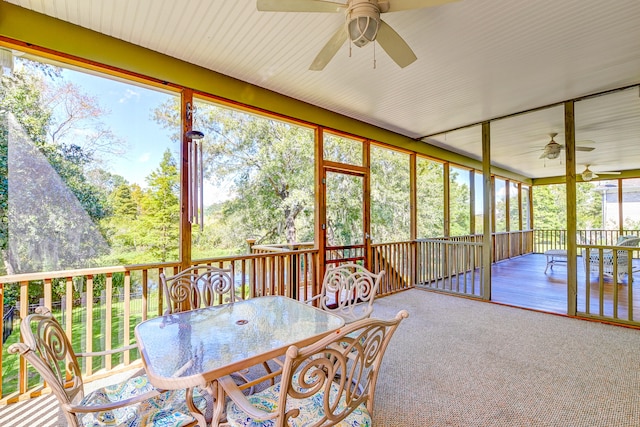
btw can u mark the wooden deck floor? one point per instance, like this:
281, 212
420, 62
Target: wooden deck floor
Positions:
522, 282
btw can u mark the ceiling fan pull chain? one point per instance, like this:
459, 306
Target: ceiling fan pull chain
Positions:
374, 55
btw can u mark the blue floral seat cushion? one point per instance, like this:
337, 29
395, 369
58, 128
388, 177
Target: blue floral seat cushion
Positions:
311, 410
169, 409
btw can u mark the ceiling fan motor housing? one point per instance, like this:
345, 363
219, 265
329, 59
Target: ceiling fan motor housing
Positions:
552, 150
363, 21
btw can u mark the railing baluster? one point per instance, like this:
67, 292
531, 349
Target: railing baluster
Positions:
127, 316
89, 331
24, 311
145, 294
108, 320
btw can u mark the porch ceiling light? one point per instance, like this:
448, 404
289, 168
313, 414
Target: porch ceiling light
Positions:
364, 22
553, 155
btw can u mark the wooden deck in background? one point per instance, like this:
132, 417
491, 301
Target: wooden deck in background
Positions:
522, 282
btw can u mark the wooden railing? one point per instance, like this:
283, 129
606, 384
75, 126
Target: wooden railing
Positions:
398, 261
611, 297
544, 240
130, 294
451, 265
512, 244
93, 324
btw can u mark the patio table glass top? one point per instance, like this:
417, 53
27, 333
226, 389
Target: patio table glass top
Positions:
194, 347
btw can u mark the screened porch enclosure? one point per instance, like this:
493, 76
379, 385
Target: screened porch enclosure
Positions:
277, 199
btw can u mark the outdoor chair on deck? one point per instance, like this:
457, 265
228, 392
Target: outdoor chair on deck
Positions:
132, 403
621, 259
195, 286
348, 290
203, 285
329, 382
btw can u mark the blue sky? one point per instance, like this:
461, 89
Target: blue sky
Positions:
130, 110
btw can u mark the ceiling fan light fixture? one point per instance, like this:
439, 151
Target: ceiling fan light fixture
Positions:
587, 175
363, 23
551, 152
363, 30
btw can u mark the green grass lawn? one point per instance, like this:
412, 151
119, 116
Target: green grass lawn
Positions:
10, 363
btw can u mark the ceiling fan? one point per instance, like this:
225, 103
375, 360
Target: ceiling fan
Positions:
552, 149
363, 24
588, 174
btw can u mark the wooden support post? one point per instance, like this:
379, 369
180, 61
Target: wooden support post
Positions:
488, 204
570, 166
185, 183
320, 208
447, 210
366, 196
413, 233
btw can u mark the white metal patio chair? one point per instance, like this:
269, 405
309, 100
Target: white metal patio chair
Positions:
621, 259
134, 402
348, 290
330, 382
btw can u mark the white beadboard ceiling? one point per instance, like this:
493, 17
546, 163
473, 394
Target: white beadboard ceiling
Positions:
477, 60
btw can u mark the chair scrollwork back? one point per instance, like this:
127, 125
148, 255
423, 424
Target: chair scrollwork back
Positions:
196, 286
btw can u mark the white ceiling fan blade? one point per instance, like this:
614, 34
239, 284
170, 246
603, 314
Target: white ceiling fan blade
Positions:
330, 49
609, 172
585, 148
299, 6
398, 5
394, 45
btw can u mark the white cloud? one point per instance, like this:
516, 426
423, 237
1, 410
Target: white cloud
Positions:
129, 94
144, 158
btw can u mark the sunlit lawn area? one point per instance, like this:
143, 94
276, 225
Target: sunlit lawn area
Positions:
10, 363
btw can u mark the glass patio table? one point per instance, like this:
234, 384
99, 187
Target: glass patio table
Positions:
194, 348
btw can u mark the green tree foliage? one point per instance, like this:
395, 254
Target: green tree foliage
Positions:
459, 202
345, 209
52, 213
514, 211
21, 95
51, 205
500, 205
588, 206
390, 195
550, 207
160, 210
266, 164
430, 198
120, 226
144, 224
344, 193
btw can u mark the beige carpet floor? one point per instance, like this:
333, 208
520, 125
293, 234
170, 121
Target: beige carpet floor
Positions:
459, 362
463, 363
